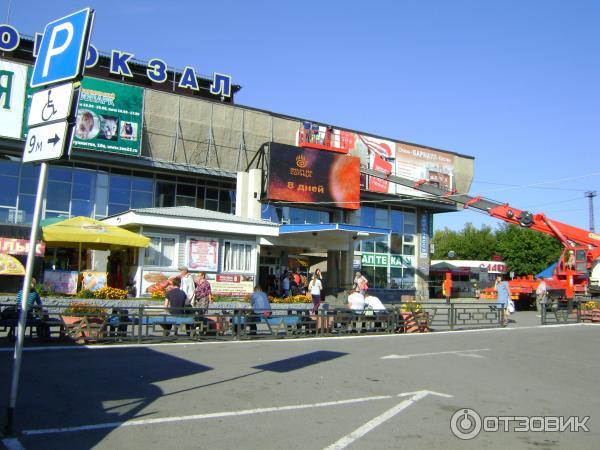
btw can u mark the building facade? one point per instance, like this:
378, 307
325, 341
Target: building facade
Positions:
141, 143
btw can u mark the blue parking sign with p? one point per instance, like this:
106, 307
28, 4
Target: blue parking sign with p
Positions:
62, 51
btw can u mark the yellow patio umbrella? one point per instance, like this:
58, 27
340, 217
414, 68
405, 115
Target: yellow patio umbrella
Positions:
84, 232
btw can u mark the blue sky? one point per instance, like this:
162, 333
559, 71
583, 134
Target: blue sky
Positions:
515, 84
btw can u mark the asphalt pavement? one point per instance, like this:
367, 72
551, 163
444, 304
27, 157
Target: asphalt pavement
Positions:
357, 392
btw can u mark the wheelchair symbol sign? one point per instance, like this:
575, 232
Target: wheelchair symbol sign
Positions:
50, 105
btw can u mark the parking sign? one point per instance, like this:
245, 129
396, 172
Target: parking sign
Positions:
62, 51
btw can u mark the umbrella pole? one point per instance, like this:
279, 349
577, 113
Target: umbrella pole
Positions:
79, 260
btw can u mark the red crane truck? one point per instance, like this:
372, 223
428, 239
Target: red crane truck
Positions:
577, 273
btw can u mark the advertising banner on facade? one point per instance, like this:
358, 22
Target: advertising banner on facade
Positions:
14, 246
13, 81
420, 163
92, 281
61, 281
203, 255
306, 175
232, 285
109, 117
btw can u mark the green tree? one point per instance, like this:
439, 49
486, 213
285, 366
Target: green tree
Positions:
469, 243
526, 251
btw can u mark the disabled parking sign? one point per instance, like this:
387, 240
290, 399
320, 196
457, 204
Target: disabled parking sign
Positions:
63, 49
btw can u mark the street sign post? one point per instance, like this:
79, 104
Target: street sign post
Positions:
63, 49
50, 105
61, 58
46, 142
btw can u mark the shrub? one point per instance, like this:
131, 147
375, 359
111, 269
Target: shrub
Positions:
85, 293
84, 309
592, 304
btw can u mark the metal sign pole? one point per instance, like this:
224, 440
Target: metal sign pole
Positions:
25, 294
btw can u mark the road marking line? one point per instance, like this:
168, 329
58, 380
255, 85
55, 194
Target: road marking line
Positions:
452, 352
373, 423
288, 341
159, 420
12, 444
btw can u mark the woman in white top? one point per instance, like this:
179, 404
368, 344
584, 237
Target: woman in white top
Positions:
315, 287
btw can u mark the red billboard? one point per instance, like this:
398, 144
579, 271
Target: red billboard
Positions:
306, 175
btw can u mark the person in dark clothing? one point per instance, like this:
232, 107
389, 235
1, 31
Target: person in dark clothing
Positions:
174, 303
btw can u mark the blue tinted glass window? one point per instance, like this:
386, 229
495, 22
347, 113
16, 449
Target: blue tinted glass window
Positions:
367, 216
270, 212
120, 182
313, 216
81, 208
324, 217
30, 171
60, 173
9, 168
82, 191
28, 186
58, 196
8, 191
119, 196
397, 220
84, 185
4, 214
139, 184
141, 200
296, 215
26, 203
116, 209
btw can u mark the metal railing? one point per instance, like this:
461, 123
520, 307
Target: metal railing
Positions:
152, 323
560, 313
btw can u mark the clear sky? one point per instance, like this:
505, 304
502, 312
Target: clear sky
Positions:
513, 83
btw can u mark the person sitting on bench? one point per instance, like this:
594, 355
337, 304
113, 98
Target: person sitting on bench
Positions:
174, 303
260, 307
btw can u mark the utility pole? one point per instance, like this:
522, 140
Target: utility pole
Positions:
591, 195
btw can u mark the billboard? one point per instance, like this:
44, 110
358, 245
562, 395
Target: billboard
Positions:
13, 80
306, 175
109, 117
420, 163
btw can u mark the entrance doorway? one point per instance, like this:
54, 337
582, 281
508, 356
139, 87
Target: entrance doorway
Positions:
268, 274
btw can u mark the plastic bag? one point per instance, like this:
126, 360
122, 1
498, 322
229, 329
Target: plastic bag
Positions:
511, 306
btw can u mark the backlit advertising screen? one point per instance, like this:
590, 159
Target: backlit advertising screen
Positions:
305, 175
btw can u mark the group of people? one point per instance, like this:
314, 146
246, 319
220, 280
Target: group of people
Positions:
188, 291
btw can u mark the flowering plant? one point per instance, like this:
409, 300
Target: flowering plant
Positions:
292, 299
111, 293
84, 309
411, 307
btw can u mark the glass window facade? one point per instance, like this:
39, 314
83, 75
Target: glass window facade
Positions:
100, 192
286, 214
388, 261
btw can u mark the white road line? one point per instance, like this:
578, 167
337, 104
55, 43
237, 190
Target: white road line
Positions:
289, 341
373, 423
12, 444
217, 415
451, 352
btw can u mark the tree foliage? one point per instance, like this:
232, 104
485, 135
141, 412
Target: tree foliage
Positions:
469, 243
524, 251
